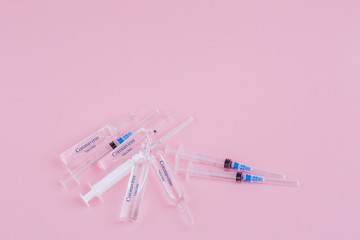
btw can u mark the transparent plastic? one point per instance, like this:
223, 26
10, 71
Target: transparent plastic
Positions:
103, 151
137, 181
93, 143
108, 181
123, 152
73, 174
118, 173
200, 171
180, 153
147, 119
172, 132
170, 184
124, 169
135, 191
128, 149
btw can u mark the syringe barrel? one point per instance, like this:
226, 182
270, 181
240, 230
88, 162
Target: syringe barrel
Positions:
124, 169
130, 146
109, 180
125, 151
201, 158
91, 160
172, 132
193, 170
88, 146
183, 154
147, 119
114, 177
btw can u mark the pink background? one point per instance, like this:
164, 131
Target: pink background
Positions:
275, 83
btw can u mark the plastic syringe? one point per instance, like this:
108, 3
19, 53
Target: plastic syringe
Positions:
73, 174
124, 169
87, 147
117, 156
198, 171
227, 163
